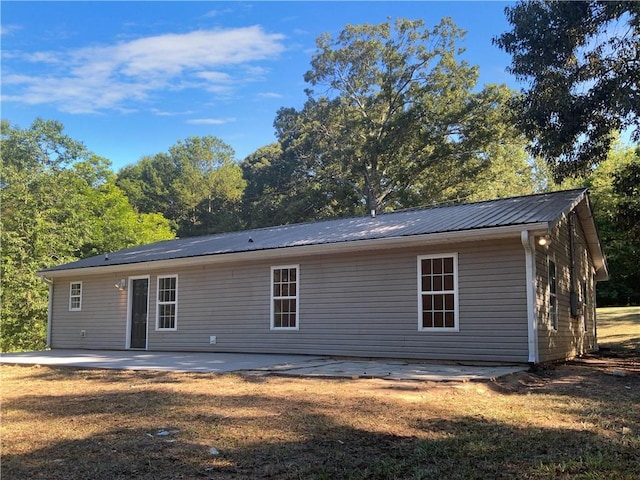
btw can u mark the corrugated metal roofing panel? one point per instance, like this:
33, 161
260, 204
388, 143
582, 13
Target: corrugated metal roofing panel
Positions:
540, 208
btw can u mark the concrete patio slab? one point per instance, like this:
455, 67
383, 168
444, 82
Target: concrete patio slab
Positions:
259, 364
161, 361
400, 371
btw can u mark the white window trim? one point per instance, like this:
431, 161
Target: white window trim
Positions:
584, 298
456, 313
71, 297
158, 303
550, 322
273, 298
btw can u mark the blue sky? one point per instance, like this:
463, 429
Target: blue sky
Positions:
130, 79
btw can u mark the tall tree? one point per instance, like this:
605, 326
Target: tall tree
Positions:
148, 185
392, 119
625, 249
198, 185
270, 187
615, 195
59, 204
281, 189
626, 184
581, 61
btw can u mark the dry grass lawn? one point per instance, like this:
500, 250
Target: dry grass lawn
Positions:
580, 420
619, 327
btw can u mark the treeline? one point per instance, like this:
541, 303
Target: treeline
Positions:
59, 203
272, 187
394, 118
614, 190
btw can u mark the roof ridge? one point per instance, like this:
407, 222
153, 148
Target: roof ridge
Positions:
502, 212
364, 216
453, 203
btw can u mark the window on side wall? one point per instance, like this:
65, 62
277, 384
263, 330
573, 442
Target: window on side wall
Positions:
553, 294
167, 305
438, 292
585, 304
285, 297
75, 296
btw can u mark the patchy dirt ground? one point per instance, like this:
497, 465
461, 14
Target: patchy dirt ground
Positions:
603, 370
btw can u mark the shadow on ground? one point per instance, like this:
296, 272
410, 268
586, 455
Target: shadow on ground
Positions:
294, 437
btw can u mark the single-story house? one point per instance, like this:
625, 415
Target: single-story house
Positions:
507, 280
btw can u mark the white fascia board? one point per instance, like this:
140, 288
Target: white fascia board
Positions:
512, 231
528, 242
585, 215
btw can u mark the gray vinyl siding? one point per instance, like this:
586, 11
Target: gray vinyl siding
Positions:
571, 338
103, 316
363, 305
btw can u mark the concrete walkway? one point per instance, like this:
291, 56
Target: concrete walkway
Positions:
258, 364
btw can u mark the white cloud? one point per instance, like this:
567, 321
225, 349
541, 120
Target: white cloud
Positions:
270, 95
217, 77
99, 78
43, 57
216, 13
210, 121
256, 73
164, 113
9, 29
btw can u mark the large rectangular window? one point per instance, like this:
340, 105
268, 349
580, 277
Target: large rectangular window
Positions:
75, 296
284, 297
167, 306
438, 292
553, 294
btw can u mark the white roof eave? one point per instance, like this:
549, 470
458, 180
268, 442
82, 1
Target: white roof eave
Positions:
511, 231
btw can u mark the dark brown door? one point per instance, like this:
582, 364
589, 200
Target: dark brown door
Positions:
139, 304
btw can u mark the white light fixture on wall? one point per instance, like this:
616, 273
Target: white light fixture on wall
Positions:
544, 241
122, 284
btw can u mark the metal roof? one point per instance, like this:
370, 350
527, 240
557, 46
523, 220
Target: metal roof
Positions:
524, 210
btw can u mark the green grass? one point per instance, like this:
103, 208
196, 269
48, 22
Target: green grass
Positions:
619, 327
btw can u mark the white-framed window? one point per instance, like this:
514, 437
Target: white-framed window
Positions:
585, 303
167, 303
75, 296
552, 287
438, 292
285, 282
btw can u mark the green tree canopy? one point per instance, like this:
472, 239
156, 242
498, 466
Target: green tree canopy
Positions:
198, 185
272, 194
615, 196
392, 119
59, 204
581, 63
